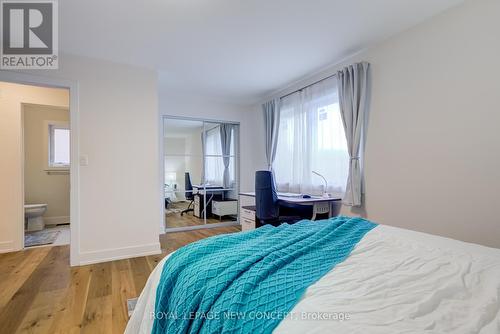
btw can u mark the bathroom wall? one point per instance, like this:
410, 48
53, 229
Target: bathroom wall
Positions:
40, 186
11, 193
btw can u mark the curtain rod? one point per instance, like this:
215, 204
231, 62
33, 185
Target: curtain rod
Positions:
311, 84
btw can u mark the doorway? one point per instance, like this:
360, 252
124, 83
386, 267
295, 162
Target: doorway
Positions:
46, 152
13, 211
201, 173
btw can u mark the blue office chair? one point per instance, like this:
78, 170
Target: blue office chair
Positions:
267, 204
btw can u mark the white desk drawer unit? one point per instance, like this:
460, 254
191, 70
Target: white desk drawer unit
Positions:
247, 213
224, 208
247, 218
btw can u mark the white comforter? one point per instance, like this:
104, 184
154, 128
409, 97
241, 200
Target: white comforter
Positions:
394, 281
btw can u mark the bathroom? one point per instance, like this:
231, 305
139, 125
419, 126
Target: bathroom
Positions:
44, 118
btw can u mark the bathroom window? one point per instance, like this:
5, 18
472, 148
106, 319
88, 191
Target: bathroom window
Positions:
59, 146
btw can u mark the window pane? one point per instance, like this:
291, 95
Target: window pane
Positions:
233, 141
311, 138
214, 171
61, 146
213, 141
213, 145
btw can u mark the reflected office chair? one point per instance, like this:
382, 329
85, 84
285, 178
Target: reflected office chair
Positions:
267, 204
188, 187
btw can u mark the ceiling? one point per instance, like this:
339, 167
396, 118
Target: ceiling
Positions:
238, 50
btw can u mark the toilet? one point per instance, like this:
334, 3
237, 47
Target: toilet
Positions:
33, 216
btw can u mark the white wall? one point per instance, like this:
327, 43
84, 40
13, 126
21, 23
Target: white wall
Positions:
176, 164
433, 147
119, 189
251, 126
194, 164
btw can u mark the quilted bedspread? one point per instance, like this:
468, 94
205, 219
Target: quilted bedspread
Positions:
248, 282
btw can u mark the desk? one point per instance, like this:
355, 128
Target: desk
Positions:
211, 190
320, 204
208, 188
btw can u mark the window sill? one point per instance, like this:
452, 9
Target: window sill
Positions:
57, 170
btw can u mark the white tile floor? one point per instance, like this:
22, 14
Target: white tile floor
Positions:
62, 239
64, 235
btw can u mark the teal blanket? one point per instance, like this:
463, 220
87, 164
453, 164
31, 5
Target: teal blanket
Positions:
248, 282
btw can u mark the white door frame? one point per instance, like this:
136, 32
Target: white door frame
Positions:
44, 81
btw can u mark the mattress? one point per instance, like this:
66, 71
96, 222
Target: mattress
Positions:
394, 281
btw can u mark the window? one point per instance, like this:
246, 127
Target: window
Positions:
59, 156
311, 138
214, 162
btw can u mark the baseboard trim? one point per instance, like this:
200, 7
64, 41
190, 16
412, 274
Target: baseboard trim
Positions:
7, 246
56, 220
113, 254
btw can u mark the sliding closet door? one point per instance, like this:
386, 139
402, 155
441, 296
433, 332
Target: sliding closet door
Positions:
183, 171
221, 171
201, 173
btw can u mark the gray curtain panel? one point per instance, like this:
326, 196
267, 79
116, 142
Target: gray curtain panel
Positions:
271, 121
225, 140
354, 90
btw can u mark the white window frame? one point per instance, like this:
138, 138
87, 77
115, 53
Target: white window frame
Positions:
51, 126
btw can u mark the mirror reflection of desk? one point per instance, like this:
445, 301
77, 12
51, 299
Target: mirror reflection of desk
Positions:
202, 202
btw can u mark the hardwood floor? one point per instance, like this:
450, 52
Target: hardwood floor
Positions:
41, 293
175, 219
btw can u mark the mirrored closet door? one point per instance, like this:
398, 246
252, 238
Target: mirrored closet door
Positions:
201, 173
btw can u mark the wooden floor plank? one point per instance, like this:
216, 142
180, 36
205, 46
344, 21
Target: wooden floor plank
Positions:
19, 272
121, 291
43, 312
49, 301
140, 272
98, 311
40, 293
16, 309
98, 315
70, 317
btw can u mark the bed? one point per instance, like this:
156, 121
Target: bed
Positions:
393, 281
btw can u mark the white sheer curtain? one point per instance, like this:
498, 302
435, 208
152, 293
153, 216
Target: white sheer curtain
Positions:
214, 163
311, 138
